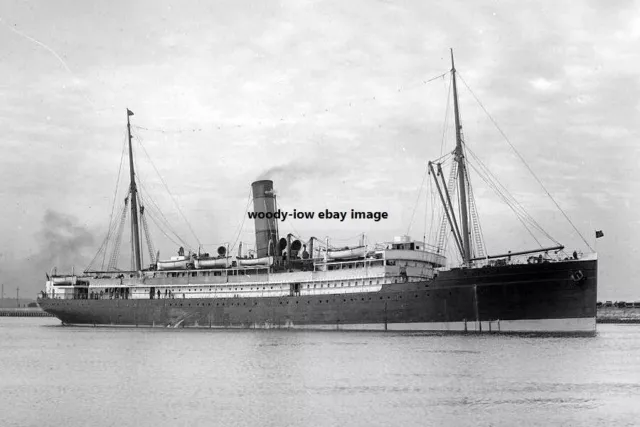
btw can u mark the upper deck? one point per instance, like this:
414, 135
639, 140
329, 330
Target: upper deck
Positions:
407, 261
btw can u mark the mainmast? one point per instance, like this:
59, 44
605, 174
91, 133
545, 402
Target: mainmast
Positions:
135, 234
459, 157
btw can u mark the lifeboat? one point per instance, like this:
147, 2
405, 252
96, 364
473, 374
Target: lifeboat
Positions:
63, 280
347, 253
224, 262
249, 262
175, 263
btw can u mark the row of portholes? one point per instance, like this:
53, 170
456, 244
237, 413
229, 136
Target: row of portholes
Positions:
297, 302
229, 288
287, 302
335, 285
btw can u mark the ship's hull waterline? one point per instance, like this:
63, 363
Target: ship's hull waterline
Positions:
525, 298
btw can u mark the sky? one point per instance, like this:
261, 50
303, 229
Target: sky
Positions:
333, 101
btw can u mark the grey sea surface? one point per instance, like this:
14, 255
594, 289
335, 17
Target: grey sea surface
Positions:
52, 375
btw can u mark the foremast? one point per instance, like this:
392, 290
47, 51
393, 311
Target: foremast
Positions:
133, 191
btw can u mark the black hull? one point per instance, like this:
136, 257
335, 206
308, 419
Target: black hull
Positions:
539, 298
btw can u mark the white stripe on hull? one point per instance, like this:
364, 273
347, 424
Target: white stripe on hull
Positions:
572, 325
529, 325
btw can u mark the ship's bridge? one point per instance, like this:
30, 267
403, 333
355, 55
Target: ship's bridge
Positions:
406, 252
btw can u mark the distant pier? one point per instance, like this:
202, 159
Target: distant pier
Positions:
23, 312
618, 314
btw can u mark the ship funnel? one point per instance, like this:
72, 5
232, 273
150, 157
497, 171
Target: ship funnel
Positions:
222, 251
264, 205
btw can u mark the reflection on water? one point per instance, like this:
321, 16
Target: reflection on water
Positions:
52, 376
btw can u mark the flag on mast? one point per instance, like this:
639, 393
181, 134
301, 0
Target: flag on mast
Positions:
599, 234
129, 112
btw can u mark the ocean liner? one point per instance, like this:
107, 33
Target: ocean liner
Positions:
294, 283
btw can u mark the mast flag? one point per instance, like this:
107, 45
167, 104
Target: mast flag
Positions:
129, 112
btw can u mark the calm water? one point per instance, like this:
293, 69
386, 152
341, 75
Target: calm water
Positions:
63, 376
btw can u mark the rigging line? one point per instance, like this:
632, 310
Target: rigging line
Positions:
442, 159
446, 118
432, 215
412, 85
477, 215
518, 215
171, 239
115, 194
103, 247
167, 131
167, 188
290, 222
436, 77
162, 231
509, 196
415, 206
244, 217
154, 205
499, 187
155, 210
525, 163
